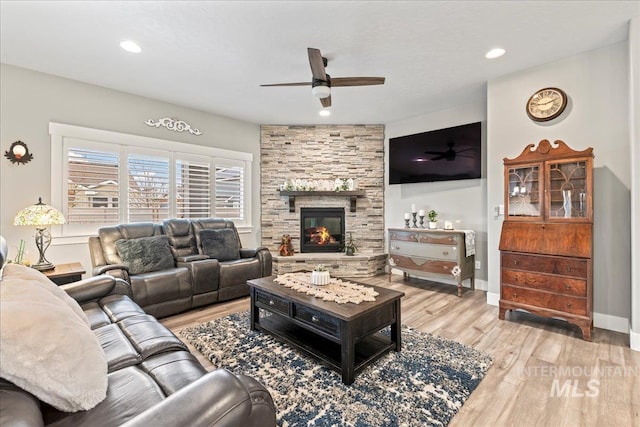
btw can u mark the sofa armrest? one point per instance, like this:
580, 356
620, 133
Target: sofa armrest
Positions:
263, 254
17, 407
123, 269
218, 398
191, 258
96, 287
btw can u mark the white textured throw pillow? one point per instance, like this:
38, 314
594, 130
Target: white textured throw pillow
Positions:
46, 348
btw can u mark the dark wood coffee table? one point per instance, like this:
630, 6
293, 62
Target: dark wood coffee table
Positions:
345, 337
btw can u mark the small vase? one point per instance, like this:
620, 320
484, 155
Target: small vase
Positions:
433, 225
349, 251
320, 278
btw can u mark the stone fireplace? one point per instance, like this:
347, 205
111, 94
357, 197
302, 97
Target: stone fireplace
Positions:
322, 229
324, 153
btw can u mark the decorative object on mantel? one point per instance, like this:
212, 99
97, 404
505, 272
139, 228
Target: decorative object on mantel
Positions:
433, 219
407, 218
337, 290
350, 248
174, 125
286, 247
40, 216
421, 216
18, 153
339, 184
320, 276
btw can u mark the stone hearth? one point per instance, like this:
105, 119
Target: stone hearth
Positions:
324, 153
338, 264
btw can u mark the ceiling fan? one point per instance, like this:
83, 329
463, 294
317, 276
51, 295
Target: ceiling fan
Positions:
450, 154
322, 83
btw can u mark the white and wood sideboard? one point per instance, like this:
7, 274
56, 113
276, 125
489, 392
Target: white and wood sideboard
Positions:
433, 253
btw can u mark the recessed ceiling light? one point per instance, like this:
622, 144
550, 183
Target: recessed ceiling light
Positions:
130, 46
325, 112
495, 53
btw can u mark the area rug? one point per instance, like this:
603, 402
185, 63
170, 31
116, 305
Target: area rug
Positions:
425, 384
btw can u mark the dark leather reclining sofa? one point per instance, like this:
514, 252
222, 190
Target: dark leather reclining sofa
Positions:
153, 380
199, 274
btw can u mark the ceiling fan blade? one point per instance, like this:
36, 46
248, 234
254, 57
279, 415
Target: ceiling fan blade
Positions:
356, 81
441, 153
438, 157
288, 84
326, 102
317, 64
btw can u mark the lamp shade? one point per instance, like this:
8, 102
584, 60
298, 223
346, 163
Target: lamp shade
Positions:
39, 216
321, 91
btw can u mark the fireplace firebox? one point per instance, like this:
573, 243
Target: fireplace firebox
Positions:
321, 229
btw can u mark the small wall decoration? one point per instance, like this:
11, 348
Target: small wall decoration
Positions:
174, 125
18, 153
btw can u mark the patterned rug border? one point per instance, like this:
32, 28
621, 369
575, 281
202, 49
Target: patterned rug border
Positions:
425, 384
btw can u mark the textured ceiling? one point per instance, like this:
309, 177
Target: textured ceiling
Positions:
213, 55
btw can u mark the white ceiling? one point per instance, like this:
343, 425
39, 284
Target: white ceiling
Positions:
213, 55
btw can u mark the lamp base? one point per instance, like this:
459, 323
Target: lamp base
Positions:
43, 266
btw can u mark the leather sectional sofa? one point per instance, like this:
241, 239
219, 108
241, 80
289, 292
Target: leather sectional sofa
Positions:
207, 263
151, 377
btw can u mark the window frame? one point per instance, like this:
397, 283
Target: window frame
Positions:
63, 134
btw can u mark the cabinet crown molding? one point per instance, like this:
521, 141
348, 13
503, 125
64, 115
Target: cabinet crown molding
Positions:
558, 150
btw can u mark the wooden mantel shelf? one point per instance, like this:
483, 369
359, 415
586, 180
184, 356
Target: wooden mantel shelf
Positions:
353, 196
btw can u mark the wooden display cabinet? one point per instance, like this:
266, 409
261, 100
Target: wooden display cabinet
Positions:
546, 244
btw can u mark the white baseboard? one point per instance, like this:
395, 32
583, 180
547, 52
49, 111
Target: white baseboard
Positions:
634, 339
493, 298
612, 323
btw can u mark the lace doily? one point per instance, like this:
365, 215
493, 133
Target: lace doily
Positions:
338, 290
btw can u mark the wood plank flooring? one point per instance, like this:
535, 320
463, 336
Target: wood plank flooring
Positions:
543, 373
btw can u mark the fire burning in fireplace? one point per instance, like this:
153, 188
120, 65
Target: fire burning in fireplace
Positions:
320, 236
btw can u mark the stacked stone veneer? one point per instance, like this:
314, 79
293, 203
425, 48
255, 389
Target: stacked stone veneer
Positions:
322, 153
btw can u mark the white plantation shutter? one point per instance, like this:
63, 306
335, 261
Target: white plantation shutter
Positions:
193, 189
148, 190
229, 190
92, 186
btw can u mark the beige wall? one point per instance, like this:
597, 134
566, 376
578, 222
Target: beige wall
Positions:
597, 116
30, 100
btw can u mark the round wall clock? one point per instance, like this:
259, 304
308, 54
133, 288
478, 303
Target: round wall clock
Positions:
546, 104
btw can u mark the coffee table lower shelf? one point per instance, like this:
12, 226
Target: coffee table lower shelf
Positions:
327, 351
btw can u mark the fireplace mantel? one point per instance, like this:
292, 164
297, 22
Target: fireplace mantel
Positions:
353, 196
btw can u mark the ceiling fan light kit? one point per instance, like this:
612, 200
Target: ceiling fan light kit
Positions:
321, 82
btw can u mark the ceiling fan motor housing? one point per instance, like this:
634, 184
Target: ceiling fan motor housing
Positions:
321, 88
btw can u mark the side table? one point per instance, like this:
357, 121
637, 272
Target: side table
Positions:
65, 273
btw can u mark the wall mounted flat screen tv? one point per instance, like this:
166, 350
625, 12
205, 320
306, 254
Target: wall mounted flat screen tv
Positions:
439, 155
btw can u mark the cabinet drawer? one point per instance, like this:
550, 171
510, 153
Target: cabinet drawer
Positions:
423, 264
317, 320
435, 237
564, 303
545, 264
273, 302
545, 282
424, 250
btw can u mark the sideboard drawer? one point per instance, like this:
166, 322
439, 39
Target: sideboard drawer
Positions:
567, 304
545, 264
545, 282
273, 302
423, 264
317, 320
428, 250
423, 236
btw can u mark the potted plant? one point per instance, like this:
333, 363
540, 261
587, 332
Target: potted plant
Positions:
433, 219
320, 276
350, 248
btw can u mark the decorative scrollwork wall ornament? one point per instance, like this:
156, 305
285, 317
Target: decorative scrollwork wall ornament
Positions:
18, 153
174, 125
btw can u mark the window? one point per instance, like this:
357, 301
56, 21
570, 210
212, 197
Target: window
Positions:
105, 178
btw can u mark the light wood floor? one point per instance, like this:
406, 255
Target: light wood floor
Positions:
511, 395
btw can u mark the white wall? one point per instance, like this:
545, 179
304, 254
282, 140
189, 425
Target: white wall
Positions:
29, 100
463, 201
634, 118
597, 116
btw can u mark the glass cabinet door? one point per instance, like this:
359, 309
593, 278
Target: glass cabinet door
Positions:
523, 199
567, 190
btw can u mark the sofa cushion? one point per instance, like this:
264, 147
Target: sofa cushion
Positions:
220, 244
145, 254
46, 348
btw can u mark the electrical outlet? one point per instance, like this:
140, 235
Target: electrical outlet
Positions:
478, 264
